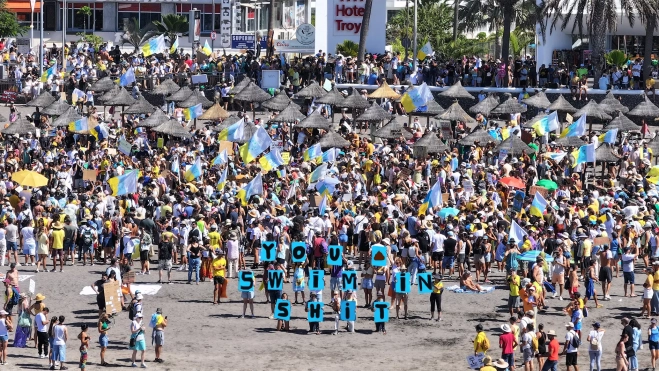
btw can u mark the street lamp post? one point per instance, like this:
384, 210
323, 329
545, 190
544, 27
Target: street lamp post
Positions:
63, 34
416, 15
41, 35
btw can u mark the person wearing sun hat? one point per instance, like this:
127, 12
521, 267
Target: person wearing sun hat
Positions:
219, 265
487, 364
57, 244
507, 343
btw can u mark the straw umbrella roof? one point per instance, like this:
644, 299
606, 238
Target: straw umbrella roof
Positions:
197, 97
622, 123
592, 109
20, 127
570, 142
67, 117
432, 143
374, 113
103, 85
333, 97
278, 102
315, 121
241, 85
539, 100
610, 104
248, 132
167, 86
44, 99
384, 91
312, 90
486, 105
215, 113
156, 119
173, 128
455, 113
536, 118
654, 144
123, 98
226, 123
606, 153
457, 91
332, 139
109, 94
141, 106
479, 135
180, 95
289, 114
645, 109
514, 145
432, 108
354, 100
510, 105
57, 108
252, 93
562, 105
393, 130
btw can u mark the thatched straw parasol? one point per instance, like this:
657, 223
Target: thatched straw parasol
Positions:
457, 91
332, 139
67, 117
44, 99
180, 95
610, 104
333, 97
109, 94
562, 105
480, 135
103, 85
514, 145
622, 123
278, 102
607, 153
312, 90
57, 108
384, 91
592, 110
122, 98
140, 107
644, 109
486, 105
20, 127
569, 142
374, 113
167, 86
510, 105
354, 100
226, 123
197, 97
157, 118
253, 94
173, 128
215, 113
289, 114
536, 118
241, 85
393, 130
432, 143
539, 100
314, 121
455, 113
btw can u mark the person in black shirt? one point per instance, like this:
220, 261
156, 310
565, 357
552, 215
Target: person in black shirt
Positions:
100, 292
150, 204
449, 253
195, 258
165, 249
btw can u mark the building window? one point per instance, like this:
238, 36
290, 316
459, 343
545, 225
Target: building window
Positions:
24, 19
207, 24
144, 13
76, 21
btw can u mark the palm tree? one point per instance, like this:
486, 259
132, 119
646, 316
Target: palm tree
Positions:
368, 5
172, 26
648, 16
348, 48
597, 17
86, 11
271, 31
135, 36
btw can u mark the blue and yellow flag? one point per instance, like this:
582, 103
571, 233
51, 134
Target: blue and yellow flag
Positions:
124, 184
256, 145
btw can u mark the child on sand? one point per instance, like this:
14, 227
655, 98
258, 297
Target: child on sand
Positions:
281, 324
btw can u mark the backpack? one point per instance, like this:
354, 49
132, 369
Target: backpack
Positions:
575, 342
87, 237
594, 343
132, 310
534, 344
146, 239
478, 246
15, 295
424, 241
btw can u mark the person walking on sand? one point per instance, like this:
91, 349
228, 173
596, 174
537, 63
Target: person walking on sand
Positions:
569, 349
594, 340
508, 343
219, 265
137, 341
481, 342
41, 322
159, 323
551, 364
60, 336
103, 340
84, 345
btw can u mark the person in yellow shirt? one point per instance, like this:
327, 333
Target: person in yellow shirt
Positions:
513, 297
481, 343
57, 244
487, 364
214, 238
436, 297
219, 271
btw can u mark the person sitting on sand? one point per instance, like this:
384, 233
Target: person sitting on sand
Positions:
466, 283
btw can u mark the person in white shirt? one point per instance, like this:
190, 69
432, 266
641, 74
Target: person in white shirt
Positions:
628, 258
41, 323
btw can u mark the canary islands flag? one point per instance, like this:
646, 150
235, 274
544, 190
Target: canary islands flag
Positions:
577, 128
223, 179
271, 160
193, 112
516, 233
233, 132
99, 132
256, 145
323, 205
313, 152
49, 72
78, 125
585, 153
318, 173
127, 78
425, 51
207, 49
154, 46
609, 136
124, 184
255, 187
222, 158
433, 198
417, 98
172, 50
539, 205
193, 171
331, 154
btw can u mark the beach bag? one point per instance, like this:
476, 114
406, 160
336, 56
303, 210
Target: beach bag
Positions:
575, 342
15, 295
594, 344
24, 320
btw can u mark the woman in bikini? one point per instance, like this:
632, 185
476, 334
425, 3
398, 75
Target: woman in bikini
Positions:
84, 344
